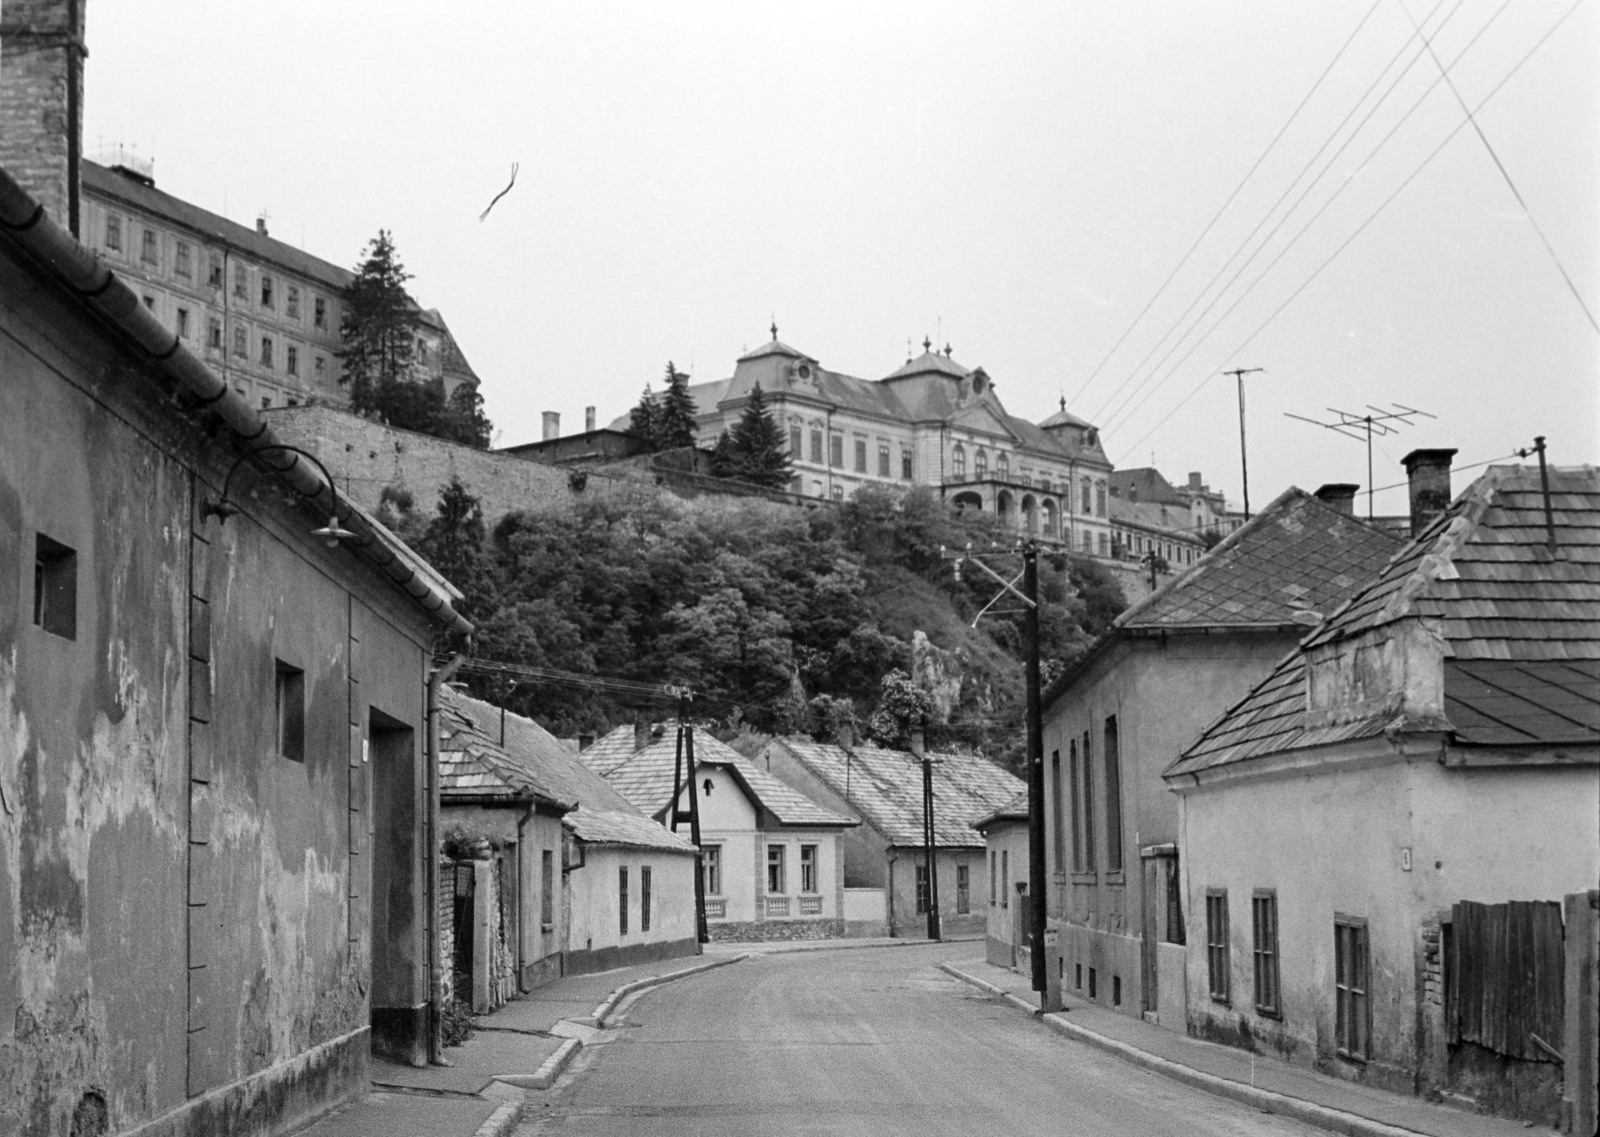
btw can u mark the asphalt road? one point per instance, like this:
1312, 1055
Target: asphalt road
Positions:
867, 1041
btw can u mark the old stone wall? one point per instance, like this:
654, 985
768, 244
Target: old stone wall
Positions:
772, 931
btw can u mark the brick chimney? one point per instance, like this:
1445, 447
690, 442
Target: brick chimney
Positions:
552, 425
1194, 481
1429, 473
588, 418
641, 733
1340, 495
41, 101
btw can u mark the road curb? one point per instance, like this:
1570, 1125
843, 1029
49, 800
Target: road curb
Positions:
549, 1070
1323, 1117
609, 1003
501, 1121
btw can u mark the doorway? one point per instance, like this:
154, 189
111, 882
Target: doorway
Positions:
399, 1002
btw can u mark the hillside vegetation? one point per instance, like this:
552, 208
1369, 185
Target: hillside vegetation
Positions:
781, 619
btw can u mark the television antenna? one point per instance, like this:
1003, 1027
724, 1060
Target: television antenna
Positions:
1375, 421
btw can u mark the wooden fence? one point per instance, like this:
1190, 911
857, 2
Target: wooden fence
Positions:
1505, 980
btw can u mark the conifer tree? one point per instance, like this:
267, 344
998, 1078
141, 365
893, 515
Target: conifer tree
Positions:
675, 415
644, 421
379, 326
755, 450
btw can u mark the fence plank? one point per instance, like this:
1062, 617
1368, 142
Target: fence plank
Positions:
1506, 979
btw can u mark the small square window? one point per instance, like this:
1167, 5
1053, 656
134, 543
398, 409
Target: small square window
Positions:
149, 301
291, 712
55, 587
266, 401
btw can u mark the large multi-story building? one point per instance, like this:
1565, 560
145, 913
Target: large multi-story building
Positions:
932, 422
264, 314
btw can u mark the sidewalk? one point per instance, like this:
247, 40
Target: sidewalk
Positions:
1265, 1083
524, 1045
780, 947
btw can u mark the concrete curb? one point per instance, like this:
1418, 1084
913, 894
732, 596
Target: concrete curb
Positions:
549, 1070
501, 1121
609, 1003
1323, 1117
792, 947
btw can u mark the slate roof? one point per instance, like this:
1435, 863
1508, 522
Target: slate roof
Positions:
1014, 810
531, 758
885, 787
1521, 631
646, 781
1296, 553
609, 751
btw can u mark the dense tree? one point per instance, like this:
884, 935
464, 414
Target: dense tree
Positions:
644, 421
754, 450
378, 357
675, 423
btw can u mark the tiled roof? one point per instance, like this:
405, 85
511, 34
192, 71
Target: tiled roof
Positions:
930, 362
885, 786
1014, 810
1145, 484
646, 781
1297, 553
609, 751
1521, 631
497, 753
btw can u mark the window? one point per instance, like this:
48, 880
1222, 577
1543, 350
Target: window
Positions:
1088, 542
861, 455
241, 282
291, 302
147, 246
214, 332
1113, 798
183, 323
1088, 489
149, 301
1086, 852
905, 465
319, 365
622, 899
711, 867
214, 274
547, 890
644, 898
923, 890
55, 587
838, 493
180, 261
291, 359
1353, 1021
836, 450
1105, 545
1099, 499
963, 890
113, 231
794, 441
319, 312
266, 401
266, 291
1217, 942
1076, 784
980, 464
1057, 795
883, 459
775, 870
808, 868
958, 462
816, 446
1002, 466
266, 351
1264, 921
994, 868
290, 701
241, 342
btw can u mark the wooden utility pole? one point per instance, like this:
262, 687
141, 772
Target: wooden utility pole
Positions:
1244, 466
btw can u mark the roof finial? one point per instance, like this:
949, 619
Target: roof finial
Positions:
774, 329
927, 345
947, 349
1063, 404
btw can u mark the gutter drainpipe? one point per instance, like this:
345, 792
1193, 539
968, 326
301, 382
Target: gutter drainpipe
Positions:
436, 680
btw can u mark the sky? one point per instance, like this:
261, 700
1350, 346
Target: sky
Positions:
1106, 201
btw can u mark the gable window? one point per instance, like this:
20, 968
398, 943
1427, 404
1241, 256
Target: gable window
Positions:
861, 455
113, 231
644, 898
55, 587
622, 899
1217, 943
319, 312
214, 274
794, 441
547, 890
711, 866
1264, 950
291, 302
905, 464
924, 902
290, 704
808, 868
266, 291
883, 459
816, 446
836, 450
980, 464
180, 260
963, 890
958, 462
775, 874
1353, 1018
148, 247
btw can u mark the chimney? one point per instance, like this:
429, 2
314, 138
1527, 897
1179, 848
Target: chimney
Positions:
641, 733
41, 101
1429, 474
1340, 495
584, 742
1194, 481
918, 746
261, 226
845, 735
552, 425
588, 418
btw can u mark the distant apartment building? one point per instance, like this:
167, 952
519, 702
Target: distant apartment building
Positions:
933, 423
263, 314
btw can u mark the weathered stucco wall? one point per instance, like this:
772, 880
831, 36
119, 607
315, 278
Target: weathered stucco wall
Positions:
904, 918
596, 934
1488, 835
1006, 856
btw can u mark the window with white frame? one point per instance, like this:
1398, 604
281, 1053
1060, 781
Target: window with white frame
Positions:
775, 870
808, 868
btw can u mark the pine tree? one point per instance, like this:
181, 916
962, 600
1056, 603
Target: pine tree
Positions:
675, 415
644, 421
755, 450
379, 327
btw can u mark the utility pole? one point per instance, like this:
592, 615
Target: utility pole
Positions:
930, 851
1244, 466
685, 756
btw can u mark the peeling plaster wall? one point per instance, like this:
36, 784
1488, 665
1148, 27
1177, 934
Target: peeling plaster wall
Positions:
183, 913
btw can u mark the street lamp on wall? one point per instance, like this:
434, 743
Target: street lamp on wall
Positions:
224, 508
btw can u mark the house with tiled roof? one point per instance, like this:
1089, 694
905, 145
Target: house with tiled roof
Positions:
584, 880
1379, 836
885, 789
771, 857
1117, 717
1005, 838
930, 422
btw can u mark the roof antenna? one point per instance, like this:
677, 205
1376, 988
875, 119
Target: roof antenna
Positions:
1544, 484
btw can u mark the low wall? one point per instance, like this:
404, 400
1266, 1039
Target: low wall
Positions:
763, 931
866, 912
587, 962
